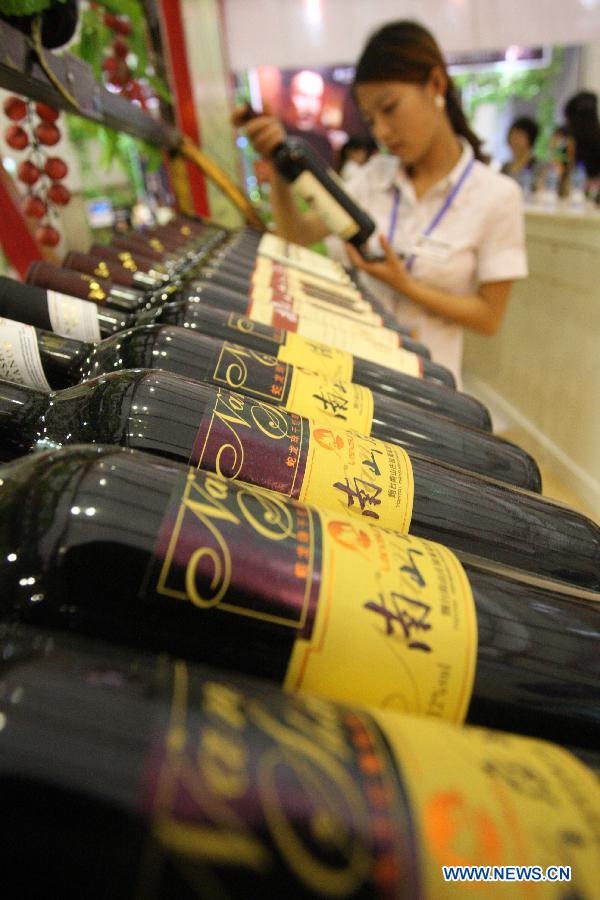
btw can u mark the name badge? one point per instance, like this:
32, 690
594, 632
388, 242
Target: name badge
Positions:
432, 248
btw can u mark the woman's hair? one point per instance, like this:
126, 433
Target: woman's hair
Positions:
581, 112
528, 126
406, 51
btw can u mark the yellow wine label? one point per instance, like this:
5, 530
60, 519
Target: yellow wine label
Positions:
318, 357
347, 472
244, 439
336, 402
395, 625
497, 802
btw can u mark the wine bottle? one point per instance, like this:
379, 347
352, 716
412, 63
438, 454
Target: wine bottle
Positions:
316, 323
86, 287
227, 258
250, 441
64, 314
287, 310
113, 269
316, 184
136, 263
124, 546
209, 316
150, 247
132, 775
401, 337
42, 359
82, 320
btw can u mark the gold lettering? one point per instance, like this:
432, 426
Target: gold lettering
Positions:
336, 807
222, 701
225, 410
218, 582
270, 420
209, 507
127, 262
320, 721
222, 760
101, 270
95, 292
266, 513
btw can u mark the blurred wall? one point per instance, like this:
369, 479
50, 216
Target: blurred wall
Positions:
289, 33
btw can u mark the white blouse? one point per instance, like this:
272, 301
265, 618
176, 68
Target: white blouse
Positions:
479, 238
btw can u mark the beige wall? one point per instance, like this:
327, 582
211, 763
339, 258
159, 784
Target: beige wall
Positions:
541, 373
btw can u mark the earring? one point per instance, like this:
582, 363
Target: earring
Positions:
440, 101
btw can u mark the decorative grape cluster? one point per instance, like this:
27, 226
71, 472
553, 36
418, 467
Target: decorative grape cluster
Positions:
116, 69
34, 128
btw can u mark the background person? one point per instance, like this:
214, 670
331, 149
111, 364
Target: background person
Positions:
354, 154
581, 114
451, 229
523, 166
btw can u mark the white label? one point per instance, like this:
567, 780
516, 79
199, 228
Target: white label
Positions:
301, 258
326, 207
316, 309
73, 318
19, 355
362, 344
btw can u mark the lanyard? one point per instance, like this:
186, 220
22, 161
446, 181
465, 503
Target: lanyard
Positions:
410, 260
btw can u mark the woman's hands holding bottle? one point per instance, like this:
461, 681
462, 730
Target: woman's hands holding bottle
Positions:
389, 269
264, 131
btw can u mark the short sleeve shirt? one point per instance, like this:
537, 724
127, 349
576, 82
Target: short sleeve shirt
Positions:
480, 238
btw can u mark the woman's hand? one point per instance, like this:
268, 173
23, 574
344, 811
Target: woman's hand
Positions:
264, 131
390, 269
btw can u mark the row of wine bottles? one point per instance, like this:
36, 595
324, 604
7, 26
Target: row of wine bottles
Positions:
127, 775
322, 584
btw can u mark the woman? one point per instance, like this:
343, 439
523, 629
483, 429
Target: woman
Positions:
523, 166
353, 154
581, 113
451, 230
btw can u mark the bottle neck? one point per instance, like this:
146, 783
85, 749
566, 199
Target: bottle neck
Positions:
21, 408
62, 358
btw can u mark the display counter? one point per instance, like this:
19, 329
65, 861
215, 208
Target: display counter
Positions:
541, 372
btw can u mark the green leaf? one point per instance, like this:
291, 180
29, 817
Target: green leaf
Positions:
160, 88
23, 7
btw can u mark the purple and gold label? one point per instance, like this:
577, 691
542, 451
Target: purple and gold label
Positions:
274, 795
246, 439
244, 325
220, 544
306, 393
259, 374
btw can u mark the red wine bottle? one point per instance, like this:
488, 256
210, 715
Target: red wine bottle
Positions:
37, 307
112, 268
62, 313
209, 315
136, 263
222, 274
45, 360
121, 545
249, 441
83, 320
320, 318
132, 775
86, 287
331, 313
